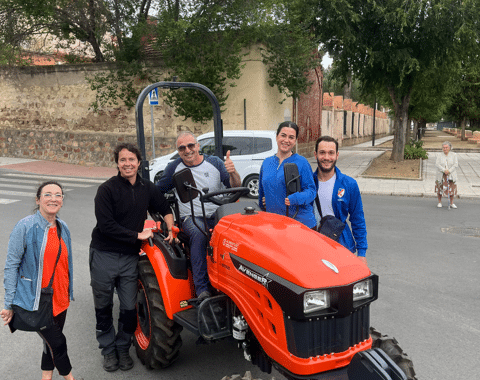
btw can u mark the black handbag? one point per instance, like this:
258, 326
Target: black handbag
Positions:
41, 319
329, 225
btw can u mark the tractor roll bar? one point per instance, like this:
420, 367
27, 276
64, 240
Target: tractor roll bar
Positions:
217, 120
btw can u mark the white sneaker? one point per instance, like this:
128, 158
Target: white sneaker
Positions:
439, 205
453, 205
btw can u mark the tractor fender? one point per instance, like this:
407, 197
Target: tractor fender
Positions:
374, 364
176, 290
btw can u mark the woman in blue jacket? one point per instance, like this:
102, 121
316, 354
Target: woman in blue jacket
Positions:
272, 192
33, 248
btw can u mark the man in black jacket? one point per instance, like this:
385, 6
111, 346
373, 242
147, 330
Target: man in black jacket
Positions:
121, 206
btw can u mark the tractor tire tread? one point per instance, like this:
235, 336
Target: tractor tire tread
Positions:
391, 347
165, 339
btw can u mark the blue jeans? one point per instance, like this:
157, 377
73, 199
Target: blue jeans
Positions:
198, 251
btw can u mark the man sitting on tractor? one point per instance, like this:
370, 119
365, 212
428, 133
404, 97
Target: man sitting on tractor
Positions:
208, 172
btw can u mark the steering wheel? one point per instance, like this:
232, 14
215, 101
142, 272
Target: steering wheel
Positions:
235, 194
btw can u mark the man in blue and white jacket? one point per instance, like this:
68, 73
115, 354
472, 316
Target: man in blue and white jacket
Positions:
339, 196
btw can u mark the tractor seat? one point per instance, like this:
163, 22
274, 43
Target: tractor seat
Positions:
234, 208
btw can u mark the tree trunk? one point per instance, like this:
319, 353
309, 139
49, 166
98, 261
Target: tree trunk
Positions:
347, 89
422, 125
399, 125
96, 48
463, 124
408, 133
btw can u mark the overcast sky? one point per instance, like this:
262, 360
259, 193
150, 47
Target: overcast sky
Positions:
326, 61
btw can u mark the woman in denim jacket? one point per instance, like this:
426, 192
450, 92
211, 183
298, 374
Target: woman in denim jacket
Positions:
32, 252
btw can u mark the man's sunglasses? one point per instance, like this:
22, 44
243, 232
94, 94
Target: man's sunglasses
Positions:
182, 148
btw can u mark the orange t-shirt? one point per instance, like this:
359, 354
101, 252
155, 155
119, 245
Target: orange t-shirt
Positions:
61, 299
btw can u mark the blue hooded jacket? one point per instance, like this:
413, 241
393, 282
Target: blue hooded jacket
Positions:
272, 186
346, 200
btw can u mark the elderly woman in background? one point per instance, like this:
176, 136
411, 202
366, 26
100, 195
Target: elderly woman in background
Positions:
446, 179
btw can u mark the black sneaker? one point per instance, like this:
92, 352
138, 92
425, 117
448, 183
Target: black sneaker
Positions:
110, 362
126, 362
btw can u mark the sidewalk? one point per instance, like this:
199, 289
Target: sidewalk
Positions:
353, 160
56, 168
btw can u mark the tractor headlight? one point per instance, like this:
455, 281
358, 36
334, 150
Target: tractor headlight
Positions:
316, 300
362, 290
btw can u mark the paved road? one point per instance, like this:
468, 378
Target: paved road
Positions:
22, 360
427, 260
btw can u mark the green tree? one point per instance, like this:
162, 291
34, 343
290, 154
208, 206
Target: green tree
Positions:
203, 42
465, 90
388, 44
199, 41
102, 24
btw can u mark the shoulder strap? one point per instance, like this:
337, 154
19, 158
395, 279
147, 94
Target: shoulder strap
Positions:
59, 233
317, 202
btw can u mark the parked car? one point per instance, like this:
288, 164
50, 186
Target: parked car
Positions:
248, 149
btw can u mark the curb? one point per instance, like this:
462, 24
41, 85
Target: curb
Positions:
414, 195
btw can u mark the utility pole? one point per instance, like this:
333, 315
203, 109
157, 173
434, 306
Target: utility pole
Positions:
373, 132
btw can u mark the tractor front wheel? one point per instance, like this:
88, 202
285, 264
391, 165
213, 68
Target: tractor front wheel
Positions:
391, 347
157, 338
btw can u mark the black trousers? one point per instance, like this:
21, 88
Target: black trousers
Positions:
55, 347
110, 271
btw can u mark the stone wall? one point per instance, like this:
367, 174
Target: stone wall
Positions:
83, 148
45, 113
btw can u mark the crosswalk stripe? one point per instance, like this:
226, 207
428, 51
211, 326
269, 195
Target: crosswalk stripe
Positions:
25, 187
49, 177
36, 182
18, 193
4, 201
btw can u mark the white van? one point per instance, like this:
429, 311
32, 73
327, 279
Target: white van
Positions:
247, 148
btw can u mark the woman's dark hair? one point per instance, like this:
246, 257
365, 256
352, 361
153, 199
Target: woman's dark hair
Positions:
288, 124
40, 188
130, 147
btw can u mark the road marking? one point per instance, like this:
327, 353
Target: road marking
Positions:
36, 182
26, 187
49, 177
4, 201
18, 193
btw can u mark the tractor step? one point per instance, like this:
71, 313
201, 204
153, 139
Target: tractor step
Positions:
211, 319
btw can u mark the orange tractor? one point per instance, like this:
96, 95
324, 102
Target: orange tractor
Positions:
291, 298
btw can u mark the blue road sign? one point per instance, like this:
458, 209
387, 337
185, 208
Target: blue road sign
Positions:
153, 97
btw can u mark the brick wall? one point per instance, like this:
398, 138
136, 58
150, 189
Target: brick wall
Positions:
358, 118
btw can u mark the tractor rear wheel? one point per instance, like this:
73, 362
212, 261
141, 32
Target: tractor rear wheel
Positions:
391, 347
157, 338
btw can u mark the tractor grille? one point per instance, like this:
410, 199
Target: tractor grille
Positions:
326, 335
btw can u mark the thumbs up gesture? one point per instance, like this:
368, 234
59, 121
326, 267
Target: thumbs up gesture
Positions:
229, 163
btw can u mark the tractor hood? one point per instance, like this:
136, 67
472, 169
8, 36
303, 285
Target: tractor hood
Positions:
288, 249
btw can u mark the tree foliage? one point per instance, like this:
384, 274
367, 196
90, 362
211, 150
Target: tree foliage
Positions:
101, 24
290, 49
388, 44
464, 99
204, 42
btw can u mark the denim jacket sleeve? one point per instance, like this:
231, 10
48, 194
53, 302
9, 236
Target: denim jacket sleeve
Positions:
16, 250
